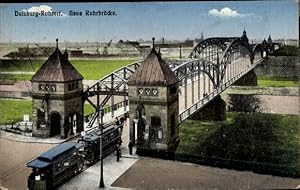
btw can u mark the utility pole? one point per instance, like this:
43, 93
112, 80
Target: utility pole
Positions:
180, 52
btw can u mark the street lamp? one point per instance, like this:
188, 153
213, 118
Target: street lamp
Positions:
100, 124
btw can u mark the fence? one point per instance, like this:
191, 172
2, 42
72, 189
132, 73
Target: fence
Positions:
21, 128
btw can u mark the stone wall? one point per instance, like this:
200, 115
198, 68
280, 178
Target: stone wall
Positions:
213, 111
249, 79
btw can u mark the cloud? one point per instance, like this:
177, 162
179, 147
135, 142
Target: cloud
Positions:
226, 12
39, 9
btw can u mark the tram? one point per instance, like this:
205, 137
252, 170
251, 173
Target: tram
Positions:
60, 163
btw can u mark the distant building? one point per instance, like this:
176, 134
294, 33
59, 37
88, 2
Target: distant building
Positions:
76, 53
244, 37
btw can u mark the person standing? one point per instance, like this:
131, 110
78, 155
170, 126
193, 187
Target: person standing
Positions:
130, 146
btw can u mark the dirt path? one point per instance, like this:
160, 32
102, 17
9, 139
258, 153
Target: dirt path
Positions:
150, 173
276, 104
13, 159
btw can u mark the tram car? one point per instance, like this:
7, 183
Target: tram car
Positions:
55, 166
60, 163
91, 141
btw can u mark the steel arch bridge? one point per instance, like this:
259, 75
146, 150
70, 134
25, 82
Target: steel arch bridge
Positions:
212, 66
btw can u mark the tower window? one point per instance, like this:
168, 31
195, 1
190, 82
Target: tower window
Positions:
148, 91
140, 91
72, 86
47, 87
155, 91
53, 88
41, 87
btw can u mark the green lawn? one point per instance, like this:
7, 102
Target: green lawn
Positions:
253, 137
95, 69
13, 110
88, 109
90, 69
277, 81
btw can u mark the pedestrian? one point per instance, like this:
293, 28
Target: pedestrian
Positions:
66, 130
130, 146
117, 122
118, 153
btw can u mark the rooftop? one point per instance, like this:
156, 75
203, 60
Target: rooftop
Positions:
57, 69
153, 71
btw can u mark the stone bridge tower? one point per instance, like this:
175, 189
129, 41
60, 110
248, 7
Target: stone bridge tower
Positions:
57, 106
154, 107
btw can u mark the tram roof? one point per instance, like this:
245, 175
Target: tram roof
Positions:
46, 158
37, 164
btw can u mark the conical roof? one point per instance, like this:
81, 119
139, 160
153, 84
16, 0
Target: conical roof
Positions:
57, 69
153, 71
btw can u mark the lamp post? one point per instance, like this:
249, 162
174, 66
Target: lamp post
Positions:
100, 124
101, 184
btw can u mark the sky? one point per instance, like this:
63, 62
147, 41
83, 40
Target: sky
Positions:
133, 21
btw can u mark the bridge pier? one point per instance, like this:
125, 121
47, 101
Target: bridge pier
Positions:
214, 110
249, 79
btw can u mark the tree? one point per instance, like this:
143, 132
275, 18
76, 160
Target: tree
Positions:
244, 103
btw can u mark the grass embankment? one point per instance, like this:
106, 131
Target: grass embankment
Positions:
90, 69
13, 110
269, 139
272, 81
15, 77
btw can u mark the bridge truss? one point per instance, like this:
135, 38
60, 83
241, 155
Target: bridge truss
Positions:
213, 65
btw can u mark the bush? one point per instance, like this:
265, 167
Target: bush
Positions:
244, 103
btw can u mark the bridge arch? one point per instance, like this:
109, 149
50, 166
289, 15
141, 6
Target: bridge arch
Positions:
257, 50
237, 49
221, 43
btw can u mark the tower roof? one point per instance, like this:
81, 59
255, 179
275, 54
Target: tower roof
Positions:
269, 39
153, 71
57, 69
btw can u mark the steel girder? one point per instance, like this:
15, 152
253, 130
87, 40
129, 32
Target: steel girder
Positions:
114, 83
190, 68
219, 42
110, 85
